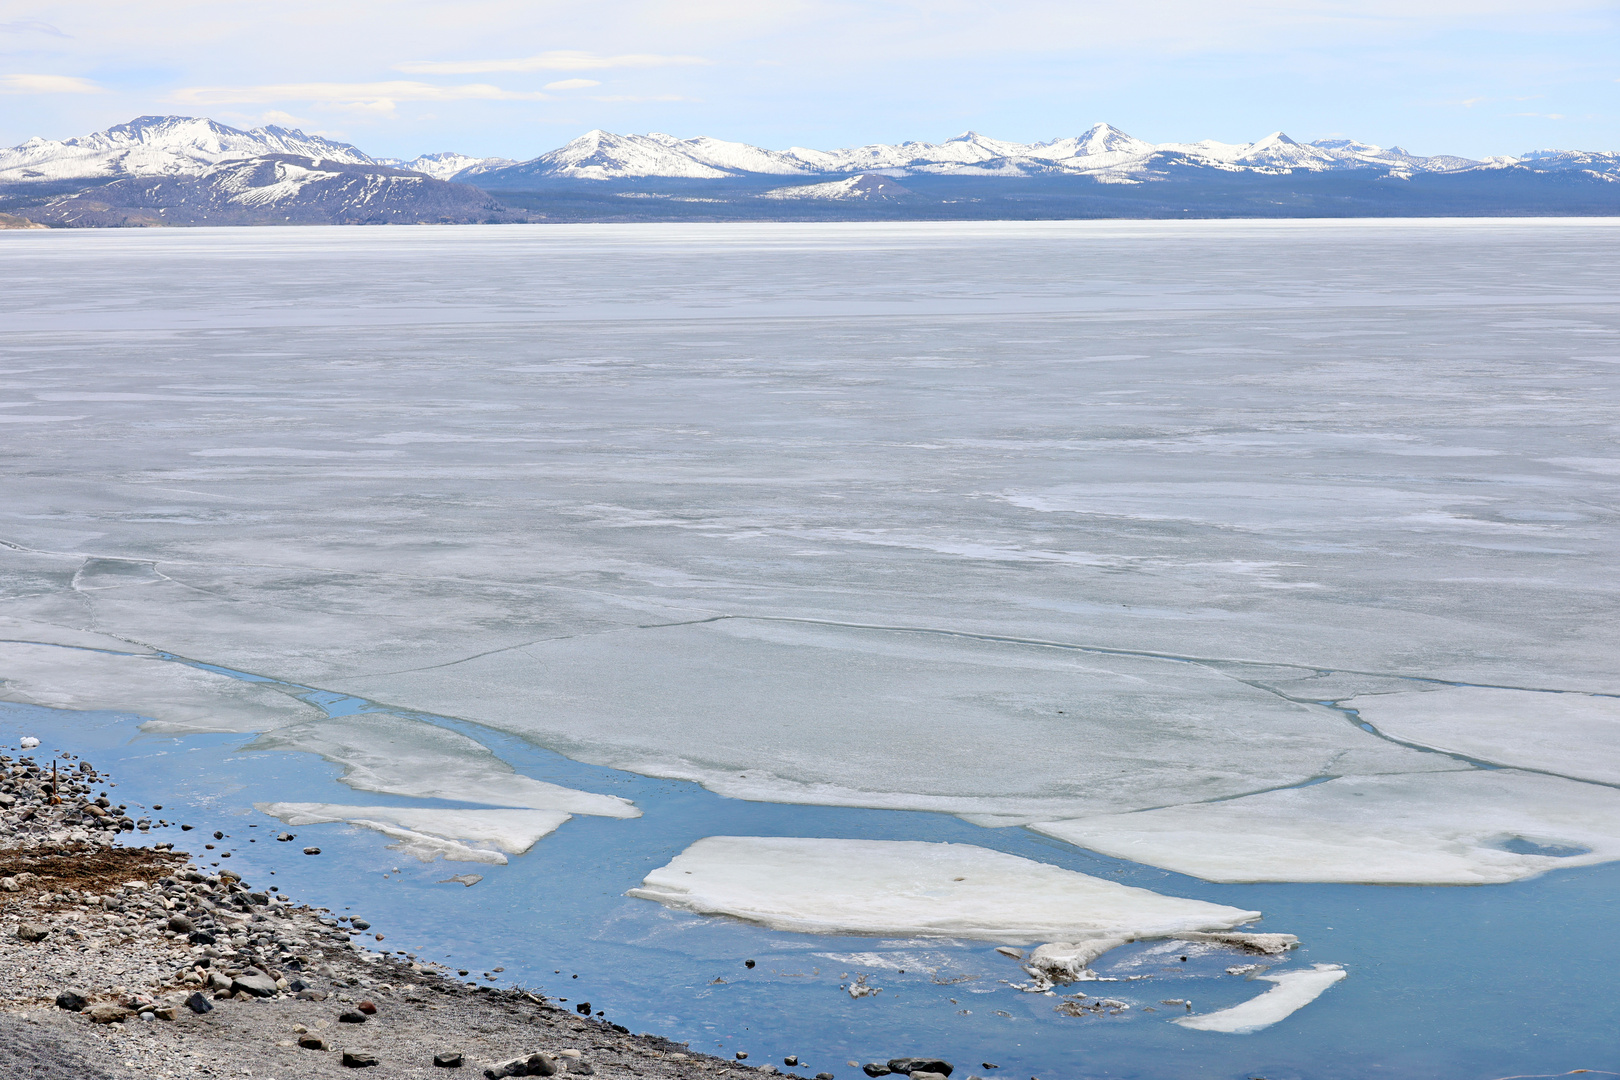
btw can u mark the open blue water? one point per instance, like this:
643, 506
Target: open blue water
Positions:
1477, 982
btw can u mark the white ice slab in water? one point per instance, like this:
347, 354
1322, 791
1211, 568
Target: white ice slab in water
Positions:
428, 832
1571, 734
395, 755
1294, 991
829, 886
1457, 828
179, 698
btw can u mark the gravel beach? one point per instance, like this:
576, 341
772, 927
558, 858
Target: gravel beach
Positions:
132, 962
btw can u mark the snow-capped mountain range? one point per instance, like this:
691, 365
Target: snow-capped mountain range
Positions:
173, 146
273, 189
1104, 153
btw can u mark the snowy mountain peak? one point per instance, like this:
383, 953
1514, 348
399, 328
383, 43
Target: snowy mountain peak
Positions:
162, 146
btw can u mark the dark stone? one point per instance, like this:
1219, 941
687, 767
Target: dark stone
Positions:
447, 1061
581, 1068
199, 1004
256, 983
71, 1000
790, 1060
824, 1076
361, 924
312, 851
911, 1065
533, 1065
259, 898
351, 1016
583, 1008
872, 1068
748, 963
354, 1059
309, 993
180, 924
313, 1042
368, 1008
286, 836
200, 937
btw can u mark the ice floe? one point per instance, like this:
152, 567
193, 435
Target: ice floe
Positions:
181, 699
834, 886
1570, 734
428, 832
1455, 828
395, 755
1294, 991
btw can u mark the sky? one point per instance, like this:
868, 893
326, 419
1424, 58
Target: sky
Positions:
515, 79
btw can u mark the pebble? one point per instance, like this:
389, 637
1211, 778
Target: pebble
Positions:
313, 1042
351, 1016
32, 931
355, 1059
914, 1065
312, 851
790, 1060
199, 1004
71, 1000
181, 924
367, 1007
106, 1013
447, 1061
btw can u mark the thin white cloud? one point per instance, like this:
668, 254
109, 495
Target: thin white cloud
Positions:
558, 60
374, 97
30, 26
572, 84
46, 84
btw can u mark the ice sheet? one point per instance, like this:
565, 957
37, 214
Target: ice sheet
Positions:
812, 713
1306, 459
396, 755
1464, 828
1294, 991
832, 886
180, 699
1570, 734
428, 832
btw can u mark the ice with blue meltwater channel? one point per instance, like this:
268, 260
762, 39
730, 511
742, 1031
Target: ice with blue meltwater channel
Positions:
1216, 618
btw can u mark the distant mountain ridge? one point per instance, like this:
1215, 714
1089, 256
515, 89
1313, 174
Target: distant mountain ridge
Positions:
162, 146
1103, 153
188, 146
179, 170
275, 189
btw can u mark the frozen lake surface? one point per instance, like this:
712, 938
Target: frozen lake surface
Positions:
1266, 552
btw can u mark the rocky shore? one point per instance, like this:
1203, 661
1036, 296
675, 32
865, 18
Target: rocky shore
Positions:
133, 962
